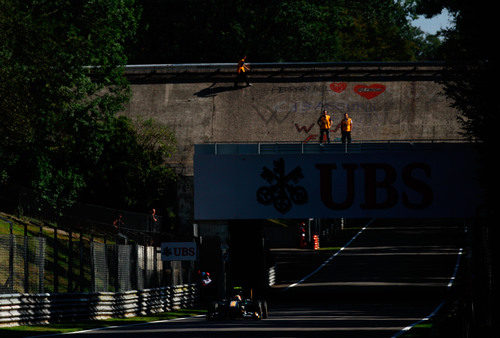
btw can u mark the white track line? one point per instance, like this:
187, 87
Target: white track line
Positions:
329, 258
116, 326
436, 310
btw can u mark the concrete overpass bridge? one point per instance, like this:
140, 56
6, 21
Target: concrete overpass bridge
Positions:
395, 101
387, 101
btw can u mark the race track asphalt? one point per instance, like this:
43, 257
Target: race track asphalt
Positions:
391, 276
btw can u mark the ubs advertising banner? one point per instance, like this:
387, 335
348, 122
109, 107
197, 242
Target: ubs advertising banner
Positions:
385, 184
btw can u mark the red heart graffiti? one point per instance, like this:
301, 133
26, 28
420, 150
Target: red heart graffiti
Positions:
371, 91
338, 87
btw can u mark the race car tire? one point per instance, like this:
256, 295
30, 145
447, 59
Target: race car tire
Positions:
212, 311
258, 309
265, 312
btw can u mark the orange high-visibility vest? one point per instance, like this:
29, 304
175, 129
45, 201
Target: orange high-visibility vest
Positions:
346, 125
325, 122
241, 66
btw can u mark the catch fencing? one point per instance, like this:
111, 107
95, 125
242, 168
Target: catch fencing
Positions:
78, 263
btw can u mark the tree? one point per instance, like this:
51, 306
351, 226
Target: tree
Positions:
131, 173
379, 31
181, 31
472, 63
61, 83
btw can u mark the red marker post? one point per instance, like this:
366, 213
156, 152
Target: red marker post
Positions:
316, 242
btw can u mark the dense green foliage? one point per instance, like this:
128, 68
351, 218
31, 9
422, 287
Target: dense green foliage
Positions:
469, 50
470, 54
181, 31
61, 85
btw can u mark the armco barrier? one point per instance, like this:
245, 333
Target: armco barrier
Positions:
25, 309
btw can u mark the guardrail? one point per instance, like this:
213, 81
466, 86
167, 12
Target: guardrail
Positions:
293, 147
423, 71
271, 276
28, 309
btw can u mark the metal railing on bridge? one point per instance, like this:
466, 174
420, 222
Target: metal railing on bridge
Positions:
261, 148
422, 71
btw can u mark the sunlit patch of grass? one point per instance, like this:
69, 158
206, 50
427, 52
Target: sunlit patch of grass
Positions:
422, 330
32, 330
330, 248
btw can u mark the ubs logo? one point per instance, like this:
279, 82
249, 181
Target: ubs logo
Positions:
282, 190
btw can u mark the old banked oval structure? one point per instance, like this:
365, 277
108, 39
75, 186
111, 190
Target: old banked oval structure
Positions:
399, 104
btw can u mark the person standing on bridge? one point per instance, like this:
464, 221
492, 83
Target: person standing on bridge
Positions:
346, 128
324, 122
241, 72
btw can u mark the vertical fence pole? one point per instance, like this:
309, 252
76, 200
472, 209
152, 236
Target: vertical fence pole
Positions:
70, 261
10, 285
145, 271
26, 259
155, 268
115, 267
41, 263
92, 265
82, 277
26, 264
41, 267
56, 270
135, 267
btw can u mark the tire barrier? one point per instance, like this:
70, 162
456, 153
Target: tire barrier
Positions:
28, 309
271, 274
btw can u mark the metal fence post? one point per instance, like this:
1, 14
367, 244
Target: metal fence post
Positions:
145, 284
41, 264
70, 261
92, 265
56, 256
26, 264
155, 268
82, 277
134, 268
10, 284
114, 267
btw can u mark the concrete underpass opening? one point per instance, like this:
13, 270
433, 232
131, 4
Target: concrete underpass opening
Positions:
252, 197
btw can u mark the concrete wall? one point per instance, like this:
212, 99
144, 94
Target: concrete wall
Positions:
283, 105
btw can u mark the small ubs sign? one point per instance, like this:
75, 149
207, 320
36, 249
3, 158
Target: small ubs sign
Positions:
178, 251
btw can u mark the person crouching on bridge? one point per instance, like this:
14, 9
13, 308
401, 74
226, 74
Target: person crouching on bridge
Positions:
241, 73
324, 122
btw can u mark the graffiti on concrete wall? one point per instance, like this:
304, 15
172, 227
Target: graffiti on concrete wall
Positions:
303, 128
282, 110
338, 87
304, 107
275, 114
366, 91
369, 92
306, 130
296, 89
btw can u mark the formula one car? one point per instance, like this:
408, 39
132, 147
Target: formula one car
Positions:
237, 308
